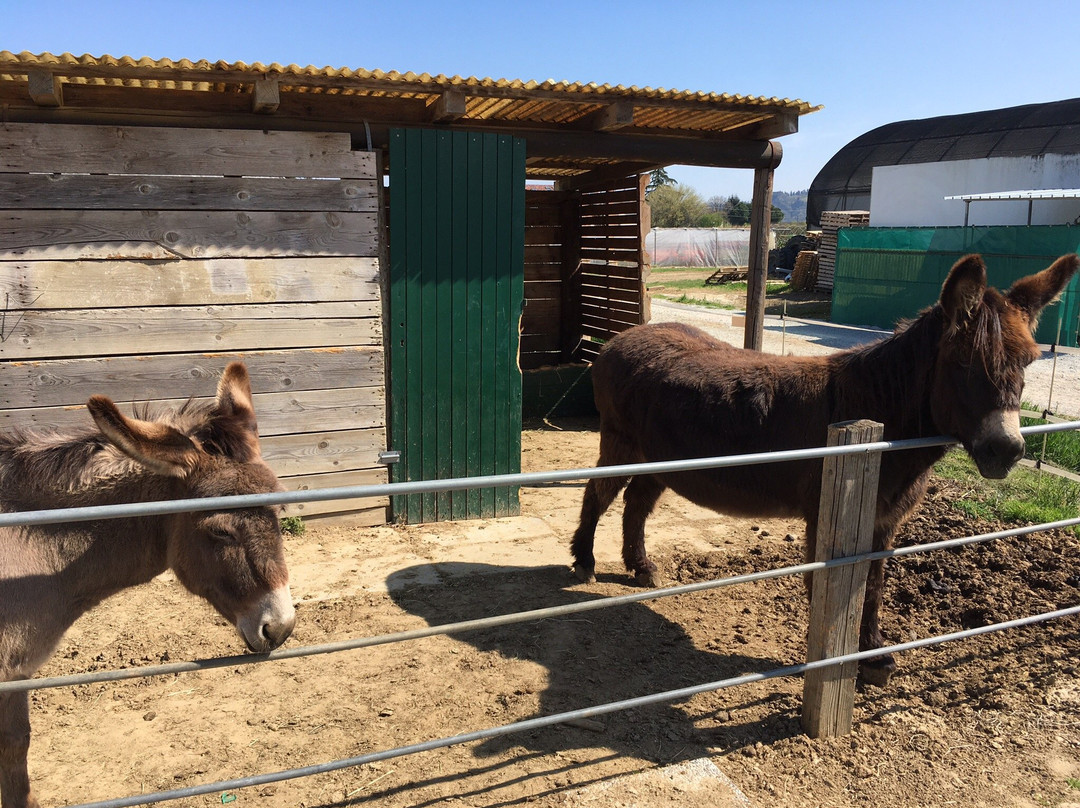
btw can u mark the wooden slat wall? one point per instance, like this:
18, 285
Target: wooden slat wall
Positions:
547, 243
831, 223
613, 262
137, 262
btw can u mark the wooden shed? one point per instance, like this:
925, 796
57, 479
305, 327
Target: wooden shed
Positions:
365, 241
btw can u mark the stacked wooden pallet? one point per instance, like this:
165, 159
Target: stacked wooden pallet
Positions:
831, 222
804, 275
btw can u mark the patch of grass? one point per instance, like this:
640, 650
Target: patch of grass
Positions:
293, 525
1073, 783
771, 287
697, 301
1062, 448
1026, 496
807, 309
706, 271
685, 283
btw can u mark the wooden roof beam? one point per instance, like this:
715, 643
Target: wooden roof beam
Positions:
265, 96
604, 174
653, 150
45, 89
448, 107
776, 125
617, 115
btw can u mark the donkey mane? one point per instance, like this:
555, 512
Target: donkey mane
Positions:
884, 370
49, 468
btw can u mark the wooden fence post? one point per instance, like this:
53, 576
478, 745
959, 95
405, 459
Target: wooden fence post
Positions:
849, 486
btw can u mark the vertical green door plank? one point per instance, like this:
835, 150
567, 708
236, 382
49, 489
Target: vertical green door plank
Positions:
501, 312
517, 301
489, 422
447, 404
462, 363
397, 310
475, 194
430, 323
456, 287
414, 341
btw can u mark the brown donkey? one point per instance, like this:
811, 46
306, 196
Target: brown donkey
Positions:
668, 392
49, 575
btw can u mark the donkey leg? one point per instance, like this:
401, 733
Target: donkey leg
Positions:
876, 670
615, 450
599, 494
14, 742
639, 500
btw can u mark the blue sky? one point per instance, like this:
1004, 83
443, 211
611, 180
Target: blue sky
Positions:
868, 63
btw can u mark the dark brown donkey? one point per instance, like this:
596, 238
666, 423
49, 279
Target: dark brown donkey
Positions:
668, 392
49, 575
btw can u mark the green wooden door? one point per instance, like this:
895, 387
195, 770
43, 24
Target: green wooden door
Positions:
457, 234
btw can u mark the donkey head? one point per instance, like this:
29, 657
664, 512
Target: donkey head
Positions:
232, 558
986, 344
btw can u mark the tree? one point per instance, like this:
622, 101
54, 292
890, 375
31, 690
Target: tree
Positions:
777, 215
659, 178
738, 213
677, 207
716, 204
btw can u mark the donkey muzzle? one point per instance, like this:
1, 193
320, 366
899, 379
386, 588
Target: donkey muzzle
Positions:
269, 622
998, 445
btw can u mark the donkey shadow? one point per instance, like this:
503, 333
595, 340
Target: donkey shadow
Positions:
591, 658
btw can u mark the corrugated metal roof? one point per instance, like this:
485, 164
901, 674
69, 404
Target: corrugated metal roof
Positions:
314, 97
186, 74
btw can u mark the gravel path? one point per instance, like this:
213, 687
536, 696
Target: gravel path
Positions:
812, 337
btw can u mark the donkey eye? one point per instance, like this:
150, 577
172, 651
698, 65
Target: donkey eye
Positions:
222, 535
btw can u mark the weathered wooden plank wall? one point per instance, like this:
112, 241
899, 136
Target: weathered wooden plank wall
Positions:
613, 262
547, 243
137, 262
585, 270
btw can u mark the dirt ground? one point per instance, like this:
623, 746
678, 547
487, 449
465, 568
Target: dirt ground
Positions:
993, 721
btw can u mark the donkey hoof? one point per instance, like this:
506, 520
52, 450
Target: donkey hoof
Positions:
648, 578
877, 671
586, 575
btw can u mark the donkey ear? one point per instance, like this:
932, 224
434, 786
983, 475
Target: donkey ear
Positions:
234, 429
234, 393
1035, 292
159, 447
963, 290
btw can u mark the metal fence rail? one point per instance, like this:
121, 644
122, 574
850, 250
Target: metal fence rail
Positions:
123, 674
84, 514
60, 515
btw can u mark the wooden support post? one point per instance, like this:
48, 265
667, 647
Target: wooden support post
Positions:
644, 257
760, 219
849, 487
